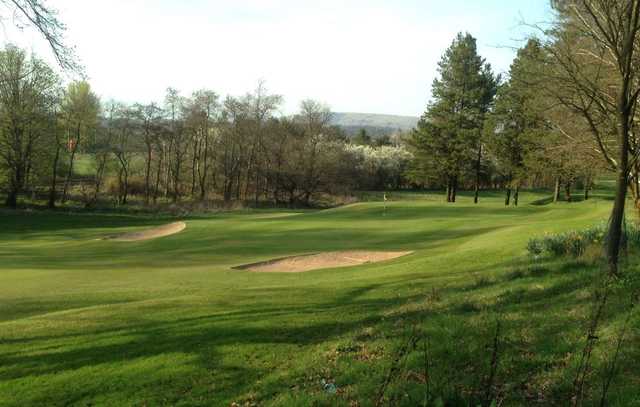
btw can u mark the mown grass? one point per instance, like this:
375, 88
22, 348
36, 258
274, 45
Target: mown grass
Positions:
168, 322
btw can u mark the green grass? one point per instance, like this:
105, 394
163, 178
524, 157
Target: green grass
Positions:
168, 322
85, 165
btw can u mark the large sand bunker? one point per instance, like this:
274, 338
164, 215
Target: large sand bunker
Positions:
160, 231
297, 264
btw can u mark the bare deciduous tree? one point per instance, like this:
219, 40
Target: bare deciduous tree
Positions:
596, 73
45, 20
28, 91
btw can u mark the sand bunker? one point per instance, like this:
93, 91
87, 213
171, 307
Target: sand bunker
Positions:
297, 264
160, 231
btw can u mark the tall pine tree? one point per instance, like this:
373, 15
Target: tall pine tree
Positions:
448, 137
517, 123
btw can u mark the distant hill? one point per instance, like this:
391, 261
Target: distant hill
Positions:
375, 124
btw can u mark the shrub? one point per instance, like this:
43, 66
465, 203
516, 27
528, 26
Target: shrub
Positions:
136, 185
554, 245
577, 243
535, 247
632, 234
592, 254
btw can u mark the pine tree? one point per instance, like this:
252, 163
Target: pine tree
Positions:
517, 123
448, 137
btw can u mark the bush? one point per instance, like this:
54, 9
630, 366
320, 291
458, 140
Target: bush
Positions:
592, 255
136, 186
632, 235
535, 247
554, 245
577, 243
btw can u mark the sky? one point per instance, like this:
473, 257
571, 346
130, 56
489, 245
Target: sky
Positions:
370, 56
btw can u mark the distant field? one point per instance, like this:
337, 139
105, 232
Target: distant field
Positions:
375, 124
84, 165
168, 322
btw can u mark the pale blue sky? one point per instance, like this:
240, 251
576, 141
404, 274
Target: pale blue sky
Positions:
375, 56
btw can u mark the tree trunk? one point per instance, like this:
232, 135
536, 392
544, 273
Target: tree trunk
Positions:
536, 181
634, 186
449, 190
292, 198
14, 188
167, 172
12, 198
203, 189
238, 185
27, 172
194, 169
587, 187
52, 192
147, 177
205, 168
227, 191
71, 160
516, 195
266, 189
257, 186
556, 190
478, 168
454, 189
176, 178
124, 187
156, 189
507, 198
614, 240
617, 218
567, 191
99, 178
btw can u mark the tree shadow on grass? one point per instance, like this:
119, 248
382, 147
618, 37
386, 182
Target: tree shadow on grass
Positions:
200, 337
534, 345
34, 225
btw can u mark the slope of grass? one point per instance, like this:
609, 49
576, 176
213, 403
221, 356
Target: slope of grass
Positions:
167, 322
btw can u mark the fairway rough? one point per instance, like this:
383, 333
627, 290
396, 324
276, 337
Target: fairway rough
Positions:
160, 231
308, 262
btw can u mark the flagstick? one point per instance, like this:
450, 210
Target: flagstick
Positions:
384, 198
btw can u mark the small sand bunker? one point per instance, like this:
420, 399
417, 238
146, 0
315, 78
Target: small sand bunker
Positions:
298, 264
160, 231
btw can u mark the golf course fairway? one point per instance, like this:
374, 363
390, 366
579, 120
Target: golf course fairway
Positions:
169, 321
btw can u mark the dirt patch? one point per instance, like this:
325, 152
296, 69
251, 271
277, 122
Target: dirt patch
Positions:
160, 231
308, 262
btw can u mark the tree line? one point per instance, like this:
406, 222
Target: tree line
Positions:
483, 131
196, 148
566, 112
